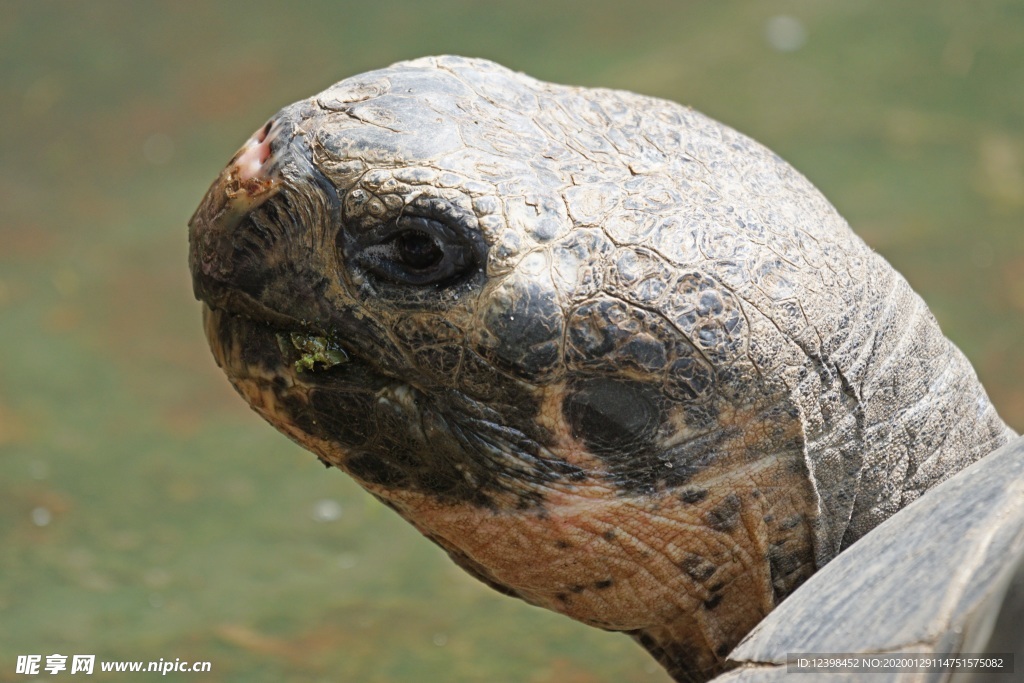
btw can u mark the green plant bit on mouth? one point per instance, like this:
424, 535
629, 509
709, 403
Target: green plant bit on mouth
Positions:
318, 353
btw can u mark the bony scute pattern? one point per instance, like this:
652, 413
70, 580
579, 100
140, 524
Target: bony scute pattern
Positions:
614, 357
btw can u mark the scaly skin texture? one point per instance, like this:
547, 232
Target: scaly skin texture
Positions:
617, 359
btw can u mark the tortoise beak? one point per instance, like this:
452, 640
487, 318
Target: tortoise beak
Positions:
233, 264
258, 171
251, 177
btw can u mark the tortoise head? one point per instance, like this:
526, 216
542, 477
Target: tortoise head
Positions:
561, 331
420, 277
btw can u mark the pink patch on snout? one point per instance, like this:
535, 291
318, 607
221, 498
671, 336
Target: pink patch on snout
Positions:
249, 162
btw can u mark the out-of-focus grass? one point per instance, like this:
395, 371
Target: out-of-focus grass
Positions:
145, 513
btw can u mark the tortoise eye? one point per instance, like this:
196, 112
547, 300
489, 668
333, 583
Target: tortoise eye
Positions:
418, 250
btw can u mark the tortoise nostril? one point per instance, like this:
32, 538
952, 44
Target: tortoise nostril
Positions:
255, 153
262, 134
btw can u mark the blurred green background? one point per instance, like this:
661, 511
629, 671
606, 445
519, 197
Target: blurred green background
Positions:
146, 513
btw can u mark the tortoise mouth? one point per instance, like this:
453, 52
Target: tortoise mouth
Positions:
251, 341
236, 303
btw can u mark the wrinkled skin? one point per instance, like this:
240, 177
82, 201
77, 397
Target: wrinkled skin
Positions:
617, 359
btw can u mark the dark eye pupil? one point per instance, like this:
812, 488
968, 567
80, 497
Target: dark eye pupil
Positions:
418, 250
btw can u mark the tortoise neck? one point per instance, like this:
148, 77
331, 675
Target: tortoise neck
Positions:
895, 409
